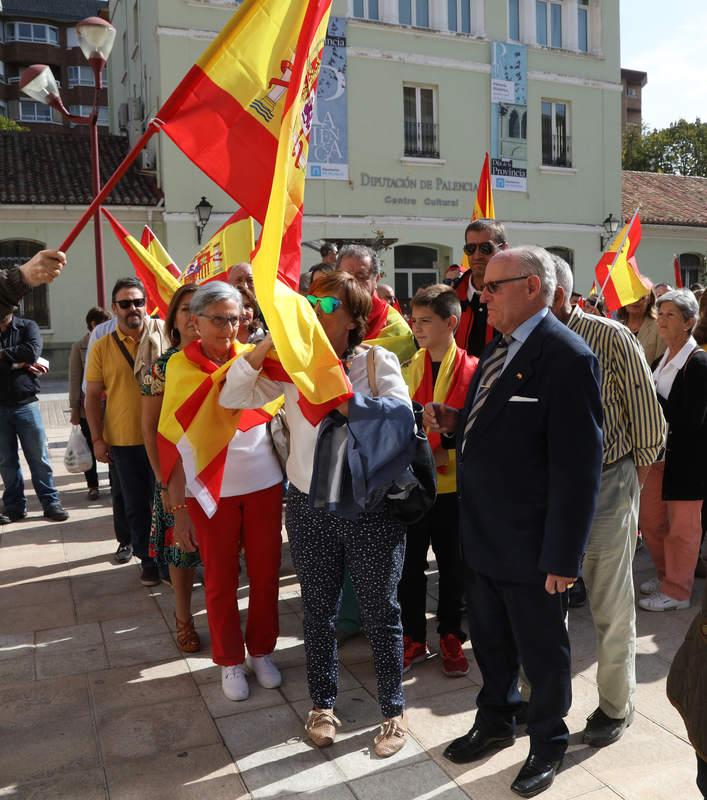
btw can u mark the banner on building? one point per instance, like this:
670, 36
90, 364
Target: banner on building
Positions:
509, 117
328, 145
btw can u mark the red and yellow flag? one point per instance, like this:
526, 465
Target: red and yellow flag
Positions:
678, 273
231, 244
483, 204
617, 275
387, 328
153, 246
160, 284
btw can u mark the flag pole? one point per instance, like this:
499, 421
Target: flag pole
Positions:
110, 184
618, 253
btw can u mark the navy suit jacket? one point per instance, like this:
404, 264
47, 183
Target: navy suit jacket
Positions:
529, 475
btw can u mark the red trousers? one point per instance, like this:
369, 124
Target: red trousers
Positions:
254, 522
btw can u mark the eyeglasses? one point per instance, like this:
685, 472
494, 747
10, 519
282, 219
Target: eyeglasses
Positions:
138, 302
221, 322
485, 248
327, 304
492, 286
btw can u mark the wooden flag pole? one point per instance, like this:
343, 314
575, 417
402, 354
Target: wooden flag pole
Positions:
618, 253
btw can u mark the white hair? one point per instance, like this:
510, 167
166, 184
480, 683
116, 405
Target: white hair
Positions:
214, 292
684, 299
563, 274
537, 261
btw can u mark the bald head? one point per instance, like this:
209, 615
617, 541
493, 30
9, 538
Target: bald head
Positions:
241, 275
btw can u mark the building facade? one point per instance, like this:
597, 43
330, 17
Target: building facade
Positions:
633, 83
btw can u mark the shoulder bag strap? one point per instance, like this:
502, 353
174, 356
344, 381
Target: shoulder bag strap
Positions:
124, 350
371, 368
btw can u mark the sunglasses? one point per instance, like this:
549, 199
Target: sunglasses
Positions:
221, 322
327, 304
492, 286
138, 302
485, 248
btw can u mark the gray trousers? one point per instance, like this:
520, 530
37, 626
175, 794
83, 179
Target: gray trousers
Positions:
607, 572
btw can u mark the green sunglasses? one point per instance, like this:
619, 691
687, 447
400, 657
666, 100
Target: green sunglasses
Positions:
327, 304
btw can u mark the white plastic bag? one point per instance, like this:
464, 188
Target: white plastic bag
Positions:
77, 457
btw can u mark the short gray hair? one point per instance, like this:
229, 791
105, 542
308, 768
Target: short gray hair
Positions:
537, 261
684, 299
214, 292
563, 274
362, 253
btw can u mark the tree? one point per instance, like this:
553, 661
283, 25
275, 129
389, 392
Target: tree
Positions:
680, 149
7, 124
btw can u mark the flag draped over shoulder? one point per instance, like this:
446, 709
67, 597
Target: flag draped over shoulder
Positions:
451, 387
231, 244
195, 427
160, 284
387, 328
617, 275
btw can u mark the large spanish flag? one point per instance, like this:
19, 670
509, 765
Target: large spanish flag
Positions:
160, 284
387, 328
483, 204
232, 243
153, 246
617, 275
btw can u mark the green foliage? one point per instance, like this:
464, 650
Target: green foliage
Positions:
7, 124
680, 149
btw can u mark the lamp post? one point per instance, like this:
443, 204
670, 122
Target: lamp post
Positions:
203, 211
611, 227
96, 38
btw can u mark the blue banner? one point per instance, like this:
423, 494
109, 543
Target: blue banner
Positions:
509, 117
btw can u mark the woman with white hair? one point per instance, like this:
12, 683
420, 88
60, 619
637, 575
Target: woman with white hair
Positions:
672, 496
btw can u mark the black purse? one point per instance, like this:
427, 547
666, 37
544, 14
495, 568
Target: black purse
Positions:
412, 506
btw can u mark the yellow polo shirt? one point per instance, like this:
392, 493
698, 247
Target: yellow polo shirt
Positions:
121, 423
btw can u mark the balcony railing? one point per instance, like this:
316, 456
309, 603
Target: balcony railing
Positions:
557, 151
422, 139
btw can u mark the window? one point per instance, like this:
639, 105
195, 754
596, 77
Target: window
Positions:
35, 112
415, 267
84, 111
555, 134
83, 76
691, 269
366, 9
631, 91
420, 122
563, 252
583, 26
3, 108
548, 19
459, 15
414, 12
514, 20
2, 73
28, 32
72, 38
34, 305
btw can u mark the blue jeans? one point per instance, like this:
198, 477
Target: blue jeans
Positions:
25, 423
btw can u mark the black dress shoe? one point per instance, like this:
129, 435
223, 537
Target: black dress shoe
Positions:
16, 516
4, 519
56, 513
475, 744
603, 730
535, 776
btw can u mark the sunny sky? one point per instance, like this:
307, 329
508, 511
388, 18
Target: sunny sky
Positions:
668, 41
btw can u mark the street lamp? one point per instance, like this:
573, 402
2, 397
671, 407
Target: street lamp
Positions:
96, 38
611, 226
203, 211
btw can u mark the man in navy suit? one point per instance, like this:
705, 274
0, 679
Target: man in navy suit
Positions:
529, 455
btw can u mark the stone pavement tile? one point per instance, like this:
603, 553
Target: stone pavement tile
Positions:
14, 645
355, 650
61, 745
17, 670
203, 668
73, 637
142, 650
436, 721
651, 699
123, 629
38, 702
294, 682
121, 580
220, 706
340, 791
289, 650
156, 729
71, 662
192, 774
37, 617
31, 556
141, 685
86, 784
35, 593
104, 607
259, 730
423, 779
287, 769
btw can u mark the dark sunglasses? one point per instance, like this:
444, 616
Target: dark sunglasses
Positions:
327, 304
138, 302
492, 286
485, 248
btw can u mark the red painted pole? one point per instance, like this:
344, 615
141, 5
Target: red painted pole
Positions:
97, 229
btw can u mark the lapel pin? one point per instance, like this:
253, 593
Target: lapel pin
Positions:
519, 376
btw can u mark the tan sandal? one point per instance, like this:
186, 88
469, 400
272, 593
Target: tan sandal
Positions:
187, 638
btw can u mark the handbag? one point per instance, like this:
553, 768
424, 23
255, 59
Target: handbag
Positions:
77, 456
412, 506
279, 432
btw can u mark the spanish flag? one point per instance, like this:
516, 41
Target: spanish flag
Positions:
451, 387
387, 328
160, 284
617, 276
677, 272
483, 205
232, 243
153, 246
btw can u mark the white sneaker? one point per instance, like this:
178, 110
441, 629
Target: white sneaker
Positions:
662, 602
650, 587
265, 671
234, 683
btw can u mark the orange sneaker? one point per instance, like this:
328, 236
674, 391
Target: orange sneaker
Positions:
413, 652
454, 662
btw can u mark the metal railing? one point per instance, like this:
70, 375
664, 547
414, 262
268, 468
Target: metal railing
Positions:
557, 151
422, 139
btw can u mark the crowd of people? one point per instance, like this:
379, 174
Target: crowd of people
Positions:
559, 435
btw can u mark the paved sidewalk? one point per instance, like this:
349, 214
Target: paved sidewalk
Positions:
97, 702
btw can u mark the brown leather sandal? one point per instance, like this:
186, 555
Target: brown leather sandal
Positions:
187, 638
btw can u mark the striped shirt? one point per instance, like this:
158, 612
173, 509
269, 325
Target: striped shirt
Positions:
633, 419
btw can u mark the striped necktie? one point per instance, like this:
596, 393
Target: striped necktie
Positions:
489, 375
